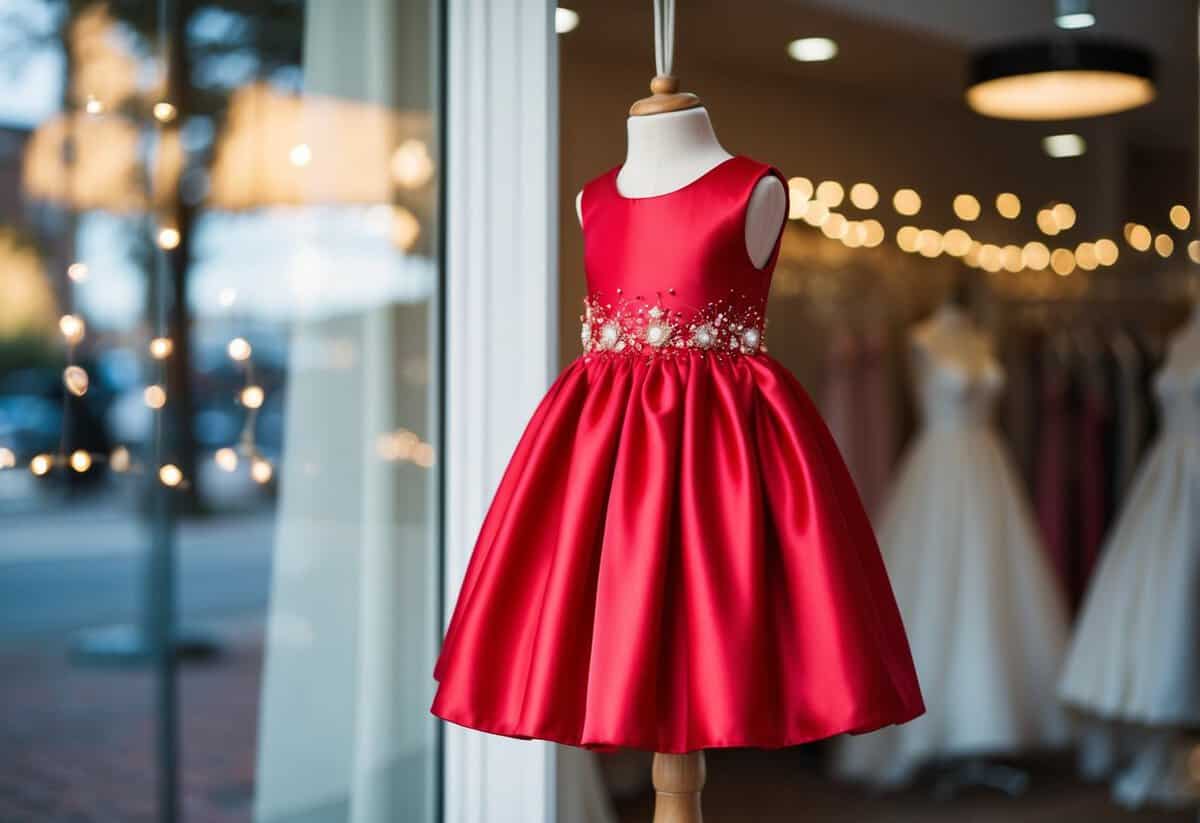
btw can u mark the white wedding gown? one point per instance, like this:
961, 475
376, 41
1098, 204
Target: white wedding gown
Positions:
984, 615
1134, 664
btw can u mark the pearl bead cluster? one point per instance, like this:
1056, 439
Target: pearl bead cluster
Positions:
626, 325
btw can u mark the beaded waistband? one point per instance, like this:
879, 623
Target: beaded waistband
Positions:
637, 325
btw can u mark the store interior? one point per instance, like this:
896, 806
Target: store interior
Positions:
1067, 245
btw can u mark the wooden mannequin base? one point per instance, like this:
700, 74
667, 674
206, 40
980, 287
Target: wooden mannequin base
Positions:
678, 781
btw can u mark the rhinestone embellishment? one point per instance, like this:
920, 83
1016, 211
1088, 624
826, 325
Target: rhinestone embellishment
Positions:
630, 325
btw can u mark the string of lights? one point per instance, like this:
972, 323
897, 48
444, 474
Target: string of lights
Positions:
816, 204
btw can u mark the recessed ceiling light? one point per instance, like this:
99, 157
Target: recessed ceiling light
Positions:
1064, 145
812, 49
565, 20
1074, 14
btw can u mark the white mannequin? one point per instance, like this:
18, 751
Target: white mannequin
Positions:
949, 335
670, 150
1184, 349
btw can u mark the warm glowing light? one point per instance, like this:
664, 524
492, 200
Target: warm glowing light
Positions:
1164, 245
239, 349
874, 233
252, 397
226, 297
1064, 145
1193, 250
855, 234
119, 460
1046, 222
161, 348
168, 238
565, 20
81, 461
991, 258
1075, 19
956, 242
864, 196
1059, 95
93, 106
405, 228
906, 202
72, 328
164, 112
1012, 258
155, 396
1063, 262
41, 465
78, 272
906, 238
1086, 257
170, 475
412, 167
816, 214
966, 207
1008, 205
300, 155
76, 380
972, 256
831, 193
8, 460
1107, 251
797, 208
261, 470
226, 459
1181, 218
929, 243
423, 455
800, 188
1139, 237
812, 49
835, 227
1064, 215
1035, 256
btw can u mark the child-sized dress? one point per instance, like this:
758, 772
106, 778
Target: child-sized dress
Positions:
676, 558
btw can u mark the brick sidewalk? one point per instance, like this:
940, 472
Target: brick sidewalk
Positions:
77, 742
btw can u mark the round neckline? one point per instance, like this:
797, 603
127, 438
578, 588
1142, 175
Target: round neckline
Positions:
617, 190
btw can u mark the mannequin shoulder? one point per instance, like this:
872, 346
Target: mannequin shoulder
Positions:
764, 218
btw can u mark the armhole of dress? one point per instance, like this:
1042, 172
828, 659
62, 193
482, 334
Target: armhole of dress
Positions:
773, 257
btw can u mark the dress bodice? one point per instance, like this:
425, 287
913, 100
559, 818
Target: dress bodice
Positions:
1178, 392
671, 273
958, 394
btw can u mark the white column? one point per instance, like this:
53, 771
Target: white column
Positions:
501, 250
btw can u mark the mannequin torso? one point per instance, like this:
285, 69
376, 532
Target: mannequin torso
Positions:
950, 337
670, 150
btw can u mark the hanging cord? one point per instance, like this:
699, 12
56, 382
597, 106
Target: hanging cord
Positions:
664, 36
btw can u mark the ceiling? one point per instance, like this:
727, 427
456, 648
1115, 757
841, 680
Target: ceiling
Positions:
908, 50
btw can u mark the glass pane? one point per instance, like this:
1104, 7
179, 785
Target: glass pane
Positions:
219, 410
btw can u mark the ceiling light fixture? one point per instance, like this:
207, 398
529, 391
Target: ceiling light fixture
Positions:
1073, 14
1064, 145
812, 49
565, 20
1059, 80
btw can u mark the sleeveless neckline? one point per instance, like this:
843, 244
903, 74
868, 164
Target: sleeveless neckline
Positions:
617, 170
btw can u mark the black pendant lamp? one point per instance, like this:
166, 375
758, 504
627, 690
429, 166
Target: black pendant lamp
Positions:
1061, 78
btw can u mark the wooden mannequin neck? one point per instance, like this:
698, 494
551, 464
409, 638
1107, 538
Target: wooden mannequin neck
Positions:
667, 151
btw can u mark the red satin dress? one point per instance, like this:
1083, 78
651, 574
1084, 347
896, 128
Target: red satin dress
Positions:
676, 558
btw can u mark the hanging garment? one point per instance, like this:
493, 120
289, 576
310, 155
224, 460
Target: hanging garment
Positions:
984, 614
676, 558
1135, 656
1056, 498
